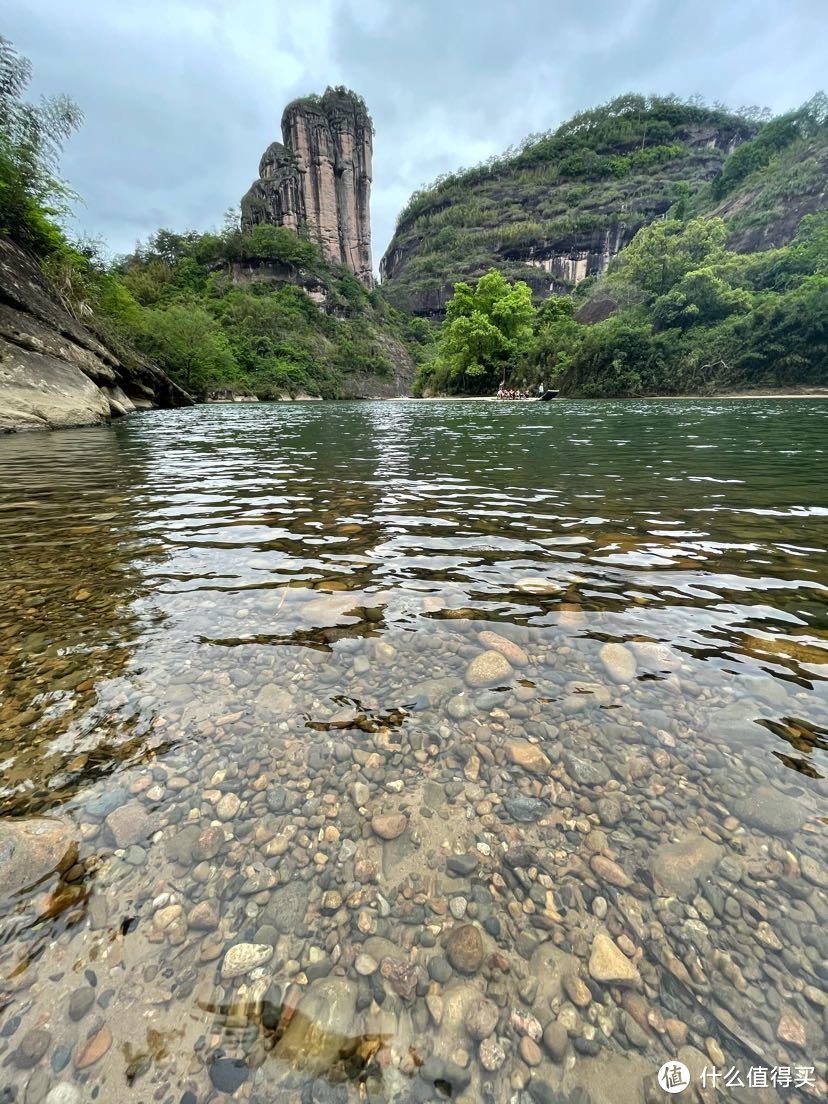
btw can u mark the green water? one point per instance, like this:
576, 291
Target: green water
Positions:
234, 639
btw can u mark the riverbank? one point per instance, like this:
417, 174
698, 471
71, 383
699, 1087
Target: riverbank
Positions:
813, 393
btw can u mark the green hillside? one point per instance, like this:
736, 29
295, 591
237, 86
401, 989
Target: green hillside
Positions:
558, 209
258, 312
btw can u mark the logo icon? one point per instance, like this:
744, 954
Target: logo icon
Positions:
674, 1077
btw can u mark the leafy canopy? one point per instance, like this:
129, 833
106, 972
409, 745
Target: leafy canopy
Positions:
32, 195
484, 329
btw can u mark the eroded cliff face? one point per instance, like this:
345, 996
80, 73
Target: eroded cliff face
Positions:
317, 180
53, 371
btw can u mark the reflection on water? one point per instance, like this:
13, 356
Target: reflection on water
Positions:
412, 751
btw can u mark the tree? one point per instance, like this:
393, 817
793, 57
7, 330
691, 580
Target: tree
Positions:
700, 297
31, 138
661, 254
189, 345
484, 330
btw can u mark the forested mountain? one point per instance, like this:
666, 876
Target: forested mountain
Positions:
691, 256
557, 209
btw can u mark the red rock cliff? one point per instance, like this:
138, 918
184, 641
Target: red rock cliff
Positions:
317, 180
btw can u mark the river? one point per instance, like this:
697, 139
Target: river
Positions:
406, 751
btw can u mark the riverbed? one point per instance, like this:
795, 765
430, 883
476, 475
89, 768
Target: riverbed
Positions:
406, 752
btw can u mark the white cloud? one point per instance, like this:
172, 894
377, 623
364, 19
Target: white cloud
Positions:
182, 96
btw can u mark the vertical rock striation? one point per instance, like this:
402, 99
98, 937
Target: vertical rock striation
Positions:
317, 180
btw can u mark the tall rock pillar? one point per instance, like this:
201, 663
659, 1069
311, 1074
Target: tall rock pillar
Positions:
317, 181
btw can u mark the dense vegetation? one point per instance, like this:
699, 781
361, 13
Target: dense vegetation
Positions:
583, 188
678, 310
256, 312
689, 315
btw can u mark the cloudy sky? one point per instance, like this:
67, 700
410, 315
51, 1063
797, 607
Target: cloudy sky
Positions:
181, 96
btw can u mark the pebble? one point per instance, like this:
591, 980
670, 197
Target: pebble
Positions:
528, 756
481, 1019
244, 957
228, 1074
791, 1030
464, 948
610, 965
619, 662
93, 1049
462, 865
490, 668
556, 1040
365, 965
507, 648
530, 1052
491, 1054
228, 807
610, 872
129, 823
63, 1093
457, 907
577, 990
32, 1047
81, 1001
389, 826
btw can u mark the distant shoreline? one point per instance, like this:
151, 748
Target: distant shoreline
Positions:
810, 394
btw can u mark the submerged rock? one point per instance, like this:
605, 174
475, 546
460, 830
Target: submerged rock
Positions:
524, 809
389, 825
488, 669
678, 866
130, 823
245, 957
464, 949
31, 849
609, 964
619, 662
322, 1029
770, 810
507, 648
526, 755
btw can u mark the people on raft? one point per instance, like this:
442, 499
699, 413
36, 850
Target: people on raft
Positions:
511, 393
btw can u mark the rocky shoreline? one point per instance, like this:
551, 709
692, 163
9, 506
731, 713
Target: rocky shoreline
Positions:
494, 898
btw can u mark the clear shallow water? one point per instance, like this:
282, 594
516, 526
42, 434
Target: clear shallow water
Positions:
233, 639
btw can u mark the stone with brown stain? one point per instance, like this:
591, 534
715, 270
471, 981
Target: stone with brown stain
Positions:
93, 1049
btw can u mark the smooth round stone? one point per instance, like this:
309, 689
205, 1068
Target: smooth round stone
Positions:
60, 1057
619, 662
457, 907
491, 1054
464, 949
228, 807
228, 1074
530, 1052
481, 1019
556, 1040
488, 669
63, 1094
439, 969
459, 708
93, 1049
507, 648
32, 1047
365, 965
245, 957
81, 1001
389, 825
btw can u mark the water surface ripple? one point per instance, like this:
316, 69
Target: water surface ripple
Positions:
397, 751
